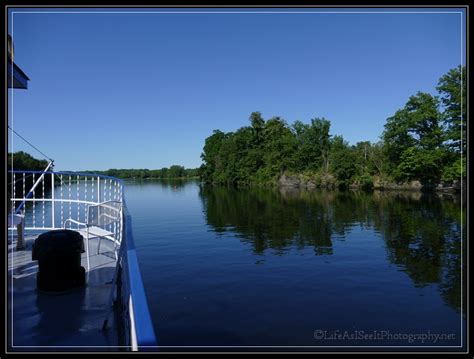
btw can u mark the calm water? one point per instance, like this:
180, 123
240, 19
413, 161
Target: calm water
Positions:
262, 267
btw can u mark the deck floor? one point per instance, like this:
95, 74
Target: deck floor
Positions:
72, 321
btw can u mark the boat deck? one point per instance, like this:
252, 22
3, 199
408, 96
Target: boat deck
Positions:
73, 321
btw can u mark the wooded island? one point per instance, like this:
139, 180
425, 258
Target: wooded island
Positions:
421, 142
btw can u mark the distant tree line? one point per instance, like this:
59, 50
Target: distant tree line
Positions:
422, 141
24, 161
174, 171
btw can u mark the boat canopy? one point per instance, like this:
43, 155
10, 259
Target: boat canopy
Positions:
16, 77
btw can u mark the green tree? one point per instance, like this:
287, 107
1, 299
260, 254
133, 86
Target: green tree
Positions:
176, 171
155, 174
452, 88
377, 161
313, 144
414, 135
362, 151
280, 146
342, 161
247, 157
257, 122
24, 161
210, 156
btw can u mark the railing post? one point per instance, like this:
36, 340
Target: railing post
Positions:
77, 198
69, 192
62, 202
33, 202
133, 330
12, 203
86, 198
52, 201
42, 207
98, 189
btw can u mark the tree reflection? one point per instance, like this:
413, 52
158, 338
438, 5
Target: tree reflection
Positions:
422, 232
175, 184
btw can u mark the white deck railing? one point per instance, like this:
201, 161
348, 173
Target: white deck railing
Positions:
60, 197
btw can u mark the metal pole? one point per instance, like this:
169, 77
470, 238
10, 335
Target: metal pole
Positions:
32, 188
114, 283
52, 200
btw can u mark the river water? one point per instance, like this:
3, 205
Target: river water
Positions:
277, 269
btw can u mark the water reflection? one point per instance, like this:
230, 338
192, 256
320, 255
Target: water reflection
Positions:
174, 184
422, 233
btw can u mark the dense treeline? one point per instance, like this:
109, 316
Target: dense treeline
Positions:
24, 161
423, 141
174, 171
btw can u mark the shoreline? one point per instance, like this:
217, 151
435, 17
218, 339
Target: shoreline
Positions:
413, 186
298, 181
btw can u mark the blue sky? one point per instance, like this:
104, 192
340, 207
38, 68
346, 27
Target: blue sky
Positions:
144, 90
